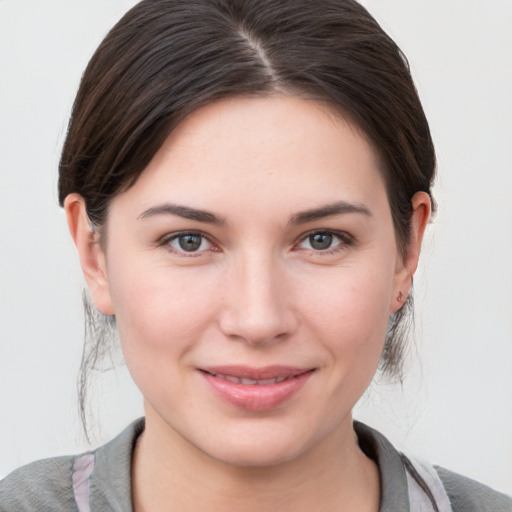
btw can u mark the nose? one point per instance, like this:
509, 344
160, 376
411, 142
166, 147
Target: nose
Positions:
257, 305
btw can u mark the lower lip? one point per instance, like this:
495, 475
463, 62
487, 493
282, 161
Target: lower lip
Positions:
257, 397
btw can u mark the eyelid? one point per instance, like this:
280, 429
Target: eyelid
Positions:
165, 241
347, 240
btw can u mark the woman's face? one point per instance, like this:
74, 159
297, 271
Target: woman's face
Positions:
252, 269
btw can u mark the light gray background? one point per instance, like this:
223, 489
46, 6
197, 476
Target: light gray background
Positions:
456, 405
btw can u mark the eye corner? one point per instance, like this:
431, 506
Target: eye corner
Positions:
324, 241
189, 243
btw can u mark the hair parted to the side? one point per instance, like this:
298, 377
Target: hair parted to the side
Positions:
166, 58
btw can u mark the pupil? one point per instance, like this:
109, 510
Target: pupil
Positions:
320, 241
190, 242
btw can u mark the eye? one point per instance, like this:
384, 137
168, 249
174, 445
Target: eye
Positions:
189, 242
324, 240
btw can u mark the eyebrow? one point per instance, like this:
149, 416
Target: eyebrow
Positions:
183, 211
186, 212
329, 210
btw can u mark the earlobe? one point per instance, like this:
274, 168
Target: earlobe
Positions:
92, 256
421, 206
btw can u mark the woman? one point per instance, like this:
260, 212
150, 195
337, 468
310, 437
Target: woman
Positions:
247, 185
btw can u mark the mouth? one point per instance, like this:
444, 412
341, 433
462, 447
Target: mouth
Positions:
256, 389
250, 382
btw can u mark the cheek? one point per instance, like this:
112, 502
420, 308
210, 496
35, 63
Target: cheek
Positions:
349, 298
161, 317
349, 312
160, 309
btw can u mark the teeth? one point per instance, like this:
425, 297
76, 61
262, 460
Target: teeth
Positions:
250, 382
268, 381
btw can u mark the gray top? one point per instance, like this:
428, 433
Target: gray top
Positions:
99, 481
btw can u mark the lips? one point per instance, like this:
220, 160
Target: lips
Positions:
251, 382
256, 389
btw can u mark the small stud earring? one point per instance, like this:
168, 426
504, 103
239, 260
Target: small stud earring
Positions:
400, 296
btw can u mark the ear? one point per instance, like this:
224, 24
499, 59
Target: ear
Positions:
406, 267
92, 256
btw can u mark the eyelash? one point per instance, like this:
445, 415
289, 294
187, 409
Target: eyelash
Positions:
167, 240
345, 241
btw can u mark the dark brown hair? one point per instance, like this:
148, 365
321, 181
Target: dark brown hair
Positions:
166, 58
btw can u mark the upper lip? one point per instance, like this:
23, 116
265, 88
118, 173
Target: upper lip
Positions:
247, 372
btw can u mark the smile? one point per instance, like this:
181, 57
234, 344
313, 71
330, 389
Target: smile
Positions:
251, 382
256, 389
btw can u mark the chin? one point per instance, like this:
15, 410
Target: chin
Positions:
263, 444
257, 455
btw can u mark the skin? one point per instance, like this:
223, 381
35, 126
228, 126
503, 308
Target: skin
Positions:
257, 292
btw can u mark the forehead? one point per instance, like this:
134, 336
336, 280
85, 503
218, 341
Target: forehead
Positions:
254, 151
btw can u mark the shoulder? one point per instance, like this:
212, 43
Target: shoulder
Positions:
42, 485
411, 483
97, 480
467, 495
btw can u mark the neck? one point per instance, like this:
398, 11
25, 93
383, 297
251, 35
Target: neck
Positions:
334, 475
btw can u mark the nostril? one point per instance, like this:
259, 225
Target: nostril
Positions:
258, 330
256, 303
